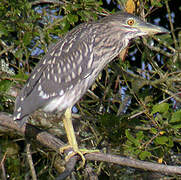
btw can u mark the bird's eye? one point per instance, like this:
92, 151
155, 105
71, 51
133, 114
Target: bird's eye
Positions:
130, 22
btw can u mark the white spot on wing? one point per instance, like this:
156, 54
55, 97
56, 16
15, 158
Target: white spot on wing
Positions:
80, 59
68, 66
43, 95
58, 65
59, 80
39, 87
76, 54
59, 70
61, 92
64, 69
70, 87
52, 53
54, 59
73, 75
55, 78
18, 115
38, 70
53, 94
90, 62
79, 70
48, 76
19, 109
86, 49
68, 79
33, 77
74, 65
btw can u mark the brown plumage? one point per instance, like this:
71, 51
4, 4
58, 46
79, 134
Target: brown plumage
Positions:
70, 66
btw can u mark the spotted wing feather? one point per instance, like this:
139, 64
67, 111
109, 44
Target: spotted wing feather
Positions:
60, 70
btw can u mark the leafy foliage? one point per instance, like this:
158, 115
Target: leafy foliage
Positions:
133, 108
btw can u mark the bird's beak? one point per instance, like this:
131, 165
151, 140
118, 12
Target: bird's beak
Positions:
151, 29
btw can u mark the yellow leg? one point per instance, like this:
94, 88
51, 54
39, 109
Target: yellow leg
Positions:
72, 139
67, 120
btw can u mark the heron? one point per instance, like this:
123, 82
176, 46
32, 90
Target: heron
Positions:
72, 64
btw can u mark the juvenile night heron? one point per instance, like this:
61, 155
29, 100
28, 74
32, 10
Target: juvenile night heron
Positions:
70, 67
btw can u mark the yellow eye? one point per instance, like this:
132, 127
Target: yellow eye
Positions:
130, 22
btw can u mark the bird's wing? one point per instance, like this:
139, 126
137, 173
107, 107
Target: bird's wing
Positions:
66, 63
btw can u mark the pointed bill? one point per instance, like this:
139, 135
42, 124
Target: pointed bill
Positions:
151, 29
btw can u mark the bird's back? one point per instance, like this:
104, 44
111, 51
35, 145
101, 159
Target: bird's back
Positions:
69, 68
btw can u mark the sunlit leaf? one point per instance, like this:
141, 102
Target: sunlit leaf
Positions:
161, 108
145, 154
130, 6
161, 140
176, 116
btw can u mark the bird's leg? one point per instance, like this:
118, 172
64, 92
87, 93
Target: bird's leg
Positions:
72, 139
71, 136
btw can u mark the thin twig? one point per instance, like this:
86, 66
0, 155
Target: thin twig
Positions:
164, 43
47, 2
3, 176
9, 48
12, 79
157, 49
137, 114
55, 144
30, 161
171, 24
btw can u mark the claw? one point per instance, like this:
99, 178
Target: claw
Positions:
80, 152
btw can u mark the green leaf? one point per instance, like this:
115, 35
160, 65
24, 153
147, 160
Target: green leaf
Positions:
21, 75
129, 136
3, 30
170, 142
72, 18
5, 85
68, 8
137, 151
65, 25
19, 54
156, 3
154, 130
161, 140
145, 154
176, 116
176, 126
139, 135
27, 38
161, 108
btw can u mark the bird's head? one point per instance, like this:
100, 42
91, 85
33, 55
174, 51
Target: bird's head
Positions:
131, 26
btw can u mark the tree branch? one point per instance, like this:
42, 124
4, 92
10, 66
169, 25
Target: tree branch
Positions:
48, 140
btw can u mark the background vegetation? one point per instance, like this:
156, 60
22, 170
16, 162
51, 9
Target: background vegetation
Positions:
133, 109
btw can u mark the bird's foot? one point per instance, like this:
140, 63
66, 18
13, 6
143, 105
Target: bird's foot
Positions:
80, 152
